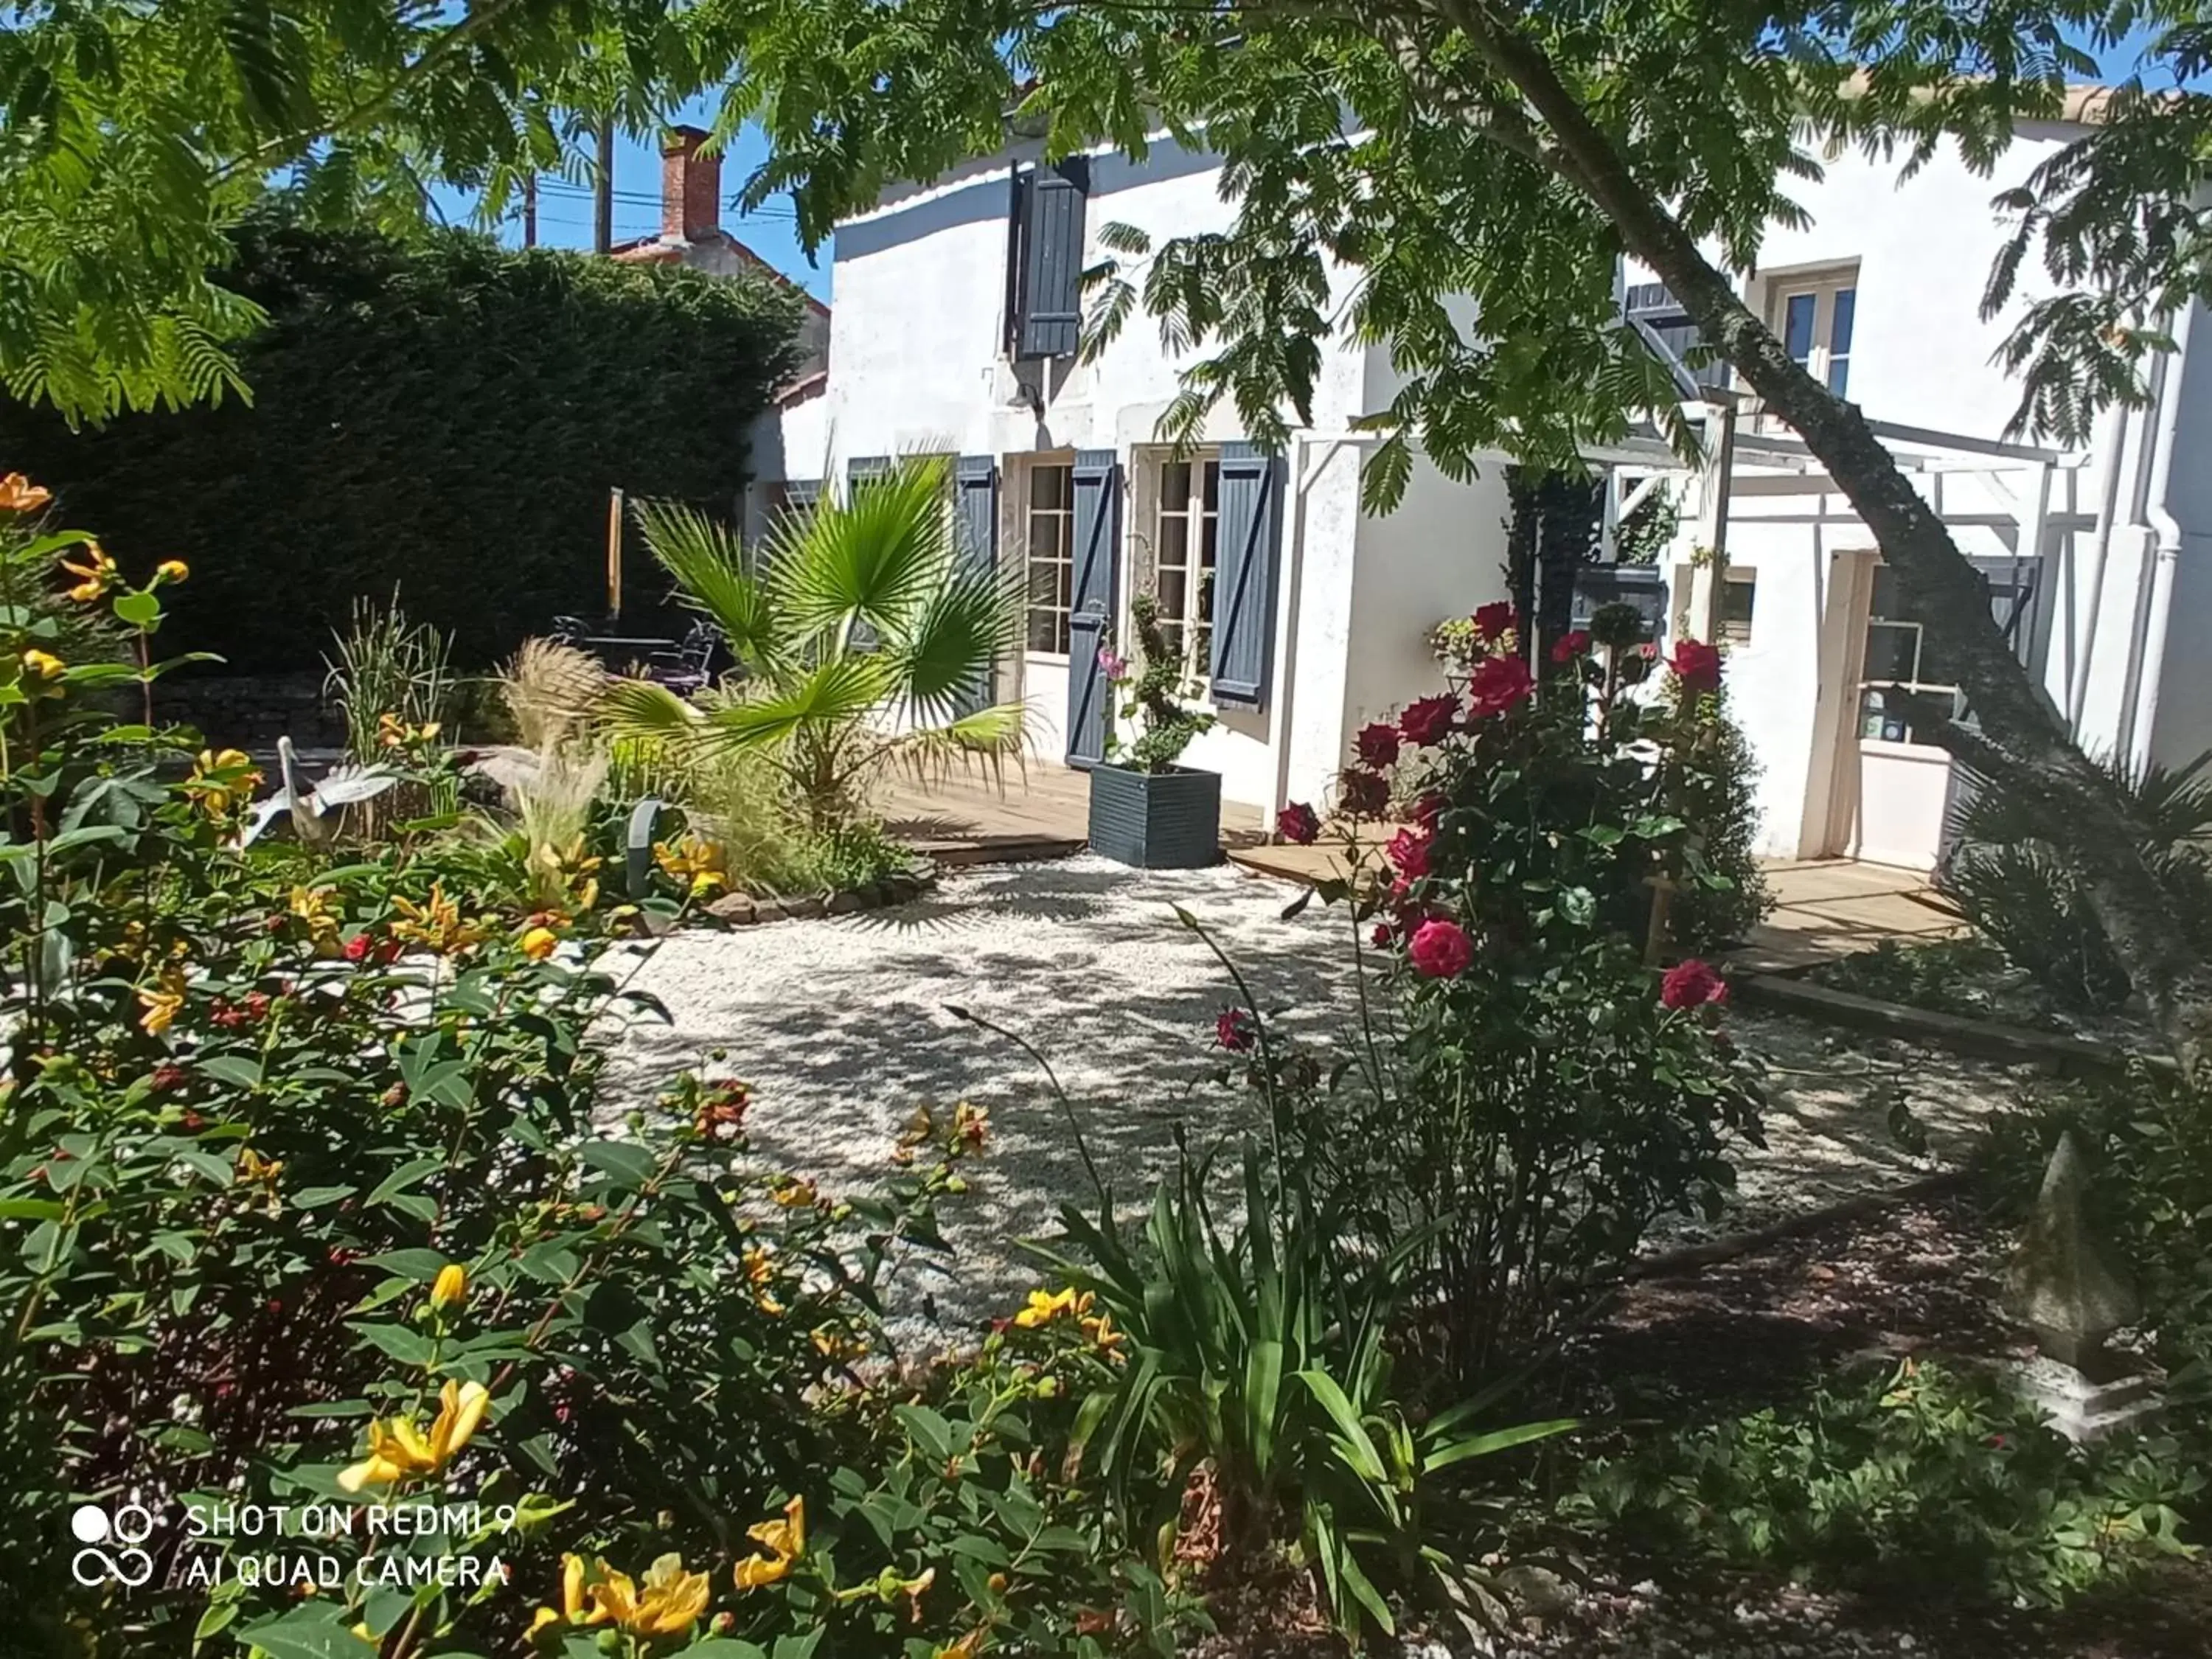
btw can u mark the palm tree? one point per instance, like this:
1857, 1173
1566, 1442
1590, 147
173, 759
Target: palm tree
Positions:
864, 638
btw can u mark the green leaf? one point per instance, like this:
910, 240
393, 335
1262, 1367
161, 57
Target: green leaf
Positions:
625, 1162
308, 1633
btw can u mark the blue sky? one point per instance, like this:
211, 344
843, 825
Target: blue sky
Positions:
564, 211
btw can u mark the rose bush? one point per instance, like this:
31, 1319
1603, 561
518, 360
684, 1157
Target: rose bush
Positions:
1547, 1096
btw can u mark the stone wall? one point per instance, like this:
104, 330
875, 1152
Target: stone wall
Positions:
250, 711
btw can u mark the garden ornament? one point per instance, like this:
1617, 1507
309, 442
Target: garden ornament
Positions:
314, 811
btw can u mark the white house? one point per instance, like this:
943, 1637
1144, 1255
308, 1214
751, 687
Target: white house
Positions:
955, 309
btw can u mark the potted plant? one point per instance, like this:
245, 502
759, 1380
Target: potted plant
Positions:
1145, 810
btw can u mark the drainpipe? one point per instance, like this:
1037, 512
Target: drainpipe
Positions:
2081, 649
2147, 651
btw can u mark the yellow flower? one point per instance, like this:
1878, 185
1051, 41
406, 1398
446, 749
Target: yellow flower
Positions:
668, 1604
793, 1192
94, 574
312, 906
397, 1449
257, 1170
172, 570
785, 1541
19, 494
966, 1647
451, 1286
1045, 1306
760, 1272
835, 1344
577, 1608
437, 923
44, 664
1102, 1333
220, 778
971, 1123
540, 943
701, 865
162, 1002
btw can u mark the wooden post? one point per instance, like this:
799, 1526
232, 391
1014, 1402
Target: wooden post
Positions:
1706, 586
603, 192
529, 211
614, 552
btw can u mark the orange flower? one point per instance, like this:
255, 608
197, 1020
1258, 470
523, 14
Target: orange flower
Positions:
19, 494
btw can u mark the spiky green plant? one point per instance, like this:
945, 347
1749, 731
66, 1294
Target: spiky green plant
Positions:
860, 640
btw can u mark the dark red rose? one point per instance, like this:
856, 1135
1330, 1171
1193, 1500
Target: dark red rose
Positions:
1440, 949
1429, 809
1376, 744
1568, 646
1497, 684
1692, 984
1429, 721
1696, 665
1234, 1029
1494, 621
1409, 852
1382, 936
168, 1077
1362, 795
1296, 823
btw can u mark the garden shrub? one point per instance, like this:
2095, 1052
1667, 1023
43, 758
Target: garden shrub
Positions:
305, 1199
444, 418
1158, 695
1908, 1478
1545, 1096
1719, 777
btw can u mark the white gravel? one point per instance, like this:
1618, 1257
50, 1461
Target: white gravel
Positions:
841, 1026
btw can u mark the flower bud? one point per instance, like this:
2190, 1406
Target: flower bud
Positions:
450, 1288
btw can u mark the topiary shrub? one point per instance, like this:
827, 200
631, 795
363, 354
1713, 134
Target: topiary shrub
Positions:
446, 420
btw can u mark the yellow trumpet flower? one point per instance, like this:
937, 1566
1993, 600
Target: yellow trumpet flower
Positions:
44, 664
539, 943
1045, 1306
668, 1603
579, 1607
95, 574
437, 922
162, 1002
397, 1449
451, 1286
221, 778
785, 1541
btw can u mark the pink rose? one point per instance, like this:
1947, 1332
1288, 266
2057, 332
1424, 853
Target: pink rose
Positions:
1429, 721
1696, 665
1568, 646
1409, 850
1692, 984
1234, 1030
1497, 684
1440, 949
1296, 823
1377, 744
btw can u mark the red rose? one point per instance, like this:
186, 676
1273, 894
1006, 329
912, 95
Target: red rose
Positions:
1440, 949
358, 947
1497, 684
1296, 823
1429, 721
1429, 809
1382, 936
1568, 646
1234, 1030
1362, 795
1692, 984
1496, 620
1696, 665
257, 1006
1409, 850
1377, 744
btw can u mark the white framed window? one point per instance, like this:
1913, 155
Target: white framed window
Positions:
1813, 314
1738, 599
1048, 524
1899, 664
1183, 511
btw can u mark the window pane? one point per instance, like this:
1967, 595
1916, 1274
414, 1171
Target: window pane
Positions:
1797, 325
1210, 483
1049, 485
1042, 631
1839, 321
1174, 592
1045, 583
1175, 487
1839, 374
1047, 534
1738, 598
1174, 544
1892, 648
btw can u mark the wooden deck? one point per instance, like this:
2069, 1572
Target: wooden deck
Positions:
1823, 907
1037, 812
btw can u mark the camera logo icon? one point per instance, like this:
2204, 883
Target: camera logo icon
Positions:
130, 1525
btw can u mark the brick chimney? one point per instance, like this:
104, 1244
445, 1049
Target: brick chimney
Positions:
690, 187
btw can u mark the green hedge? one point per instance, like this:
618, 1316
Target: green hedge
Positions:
445, 419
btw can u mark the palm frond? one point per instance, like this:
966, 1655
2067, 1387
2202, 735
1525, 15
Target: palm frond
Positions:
708, 561
990, 736
874, 559
639, 709
966, 624
840, 692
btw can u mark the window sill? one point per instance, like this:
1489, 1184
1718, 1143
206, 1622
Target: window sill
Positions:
1927, 754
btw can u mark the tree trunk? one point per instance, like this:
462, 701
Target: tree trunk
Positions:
2023, 745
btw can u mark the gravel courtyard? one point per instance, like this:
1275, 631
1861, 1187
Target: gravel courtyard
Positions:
841, 1027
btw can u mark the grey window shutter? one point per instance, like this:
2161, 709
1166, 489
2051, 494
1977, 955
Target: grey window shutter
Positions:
1097, 482
1049, 321
975, 543
1244, 576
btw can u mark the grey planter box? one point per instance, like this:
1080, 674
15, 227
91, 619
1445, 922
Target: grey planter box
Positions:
1156, 820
